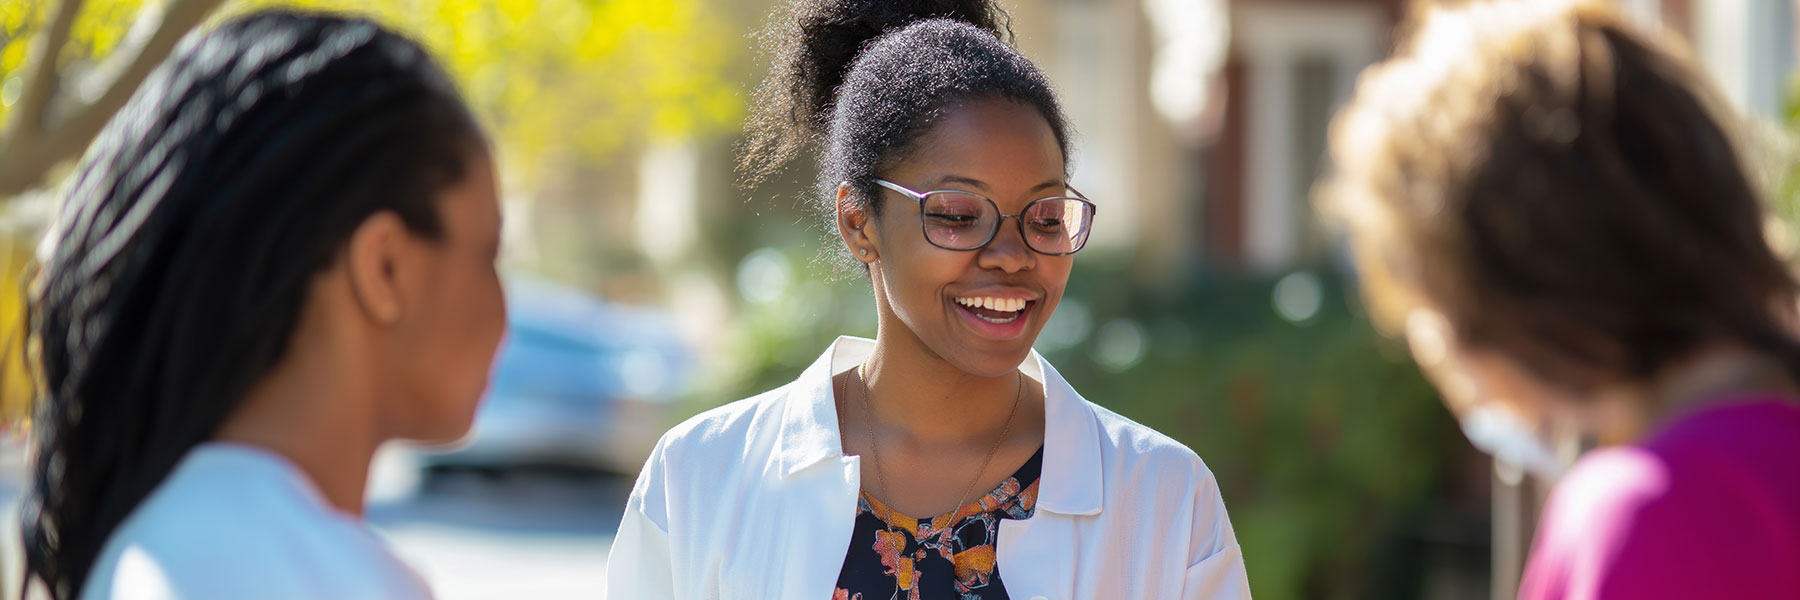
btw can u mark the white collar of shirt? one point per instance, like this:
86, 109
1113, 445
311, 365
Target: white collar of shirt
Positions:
1071, 482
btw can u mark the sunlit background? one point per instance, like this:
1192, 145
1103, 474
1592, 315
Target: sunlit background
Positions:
645, 286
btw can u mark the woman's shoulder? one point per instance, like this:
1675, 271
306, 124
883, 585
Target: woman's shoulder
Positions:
1148, 477
1146, 451
253, 563
1687, 505
731, 424
1614, 493
211, 531
1604, 493
701, 453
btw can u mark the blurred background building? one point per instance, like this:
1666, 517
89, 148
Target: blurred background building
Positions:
647, 286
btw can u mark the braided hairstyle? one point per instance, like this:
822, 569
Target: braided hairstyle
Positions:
182, 254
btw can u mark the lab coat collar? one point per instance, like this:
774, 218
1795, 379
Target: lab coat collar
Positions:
1071, 482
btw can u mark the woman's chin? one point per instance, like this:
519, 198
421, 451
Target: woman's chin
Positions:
994, 363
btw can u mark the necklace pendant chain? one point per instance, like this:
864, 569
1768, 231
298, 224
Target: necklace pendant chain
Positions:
862, 381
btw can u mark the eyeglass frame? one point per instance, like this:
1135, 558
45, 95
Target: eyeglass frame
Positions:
1019, 218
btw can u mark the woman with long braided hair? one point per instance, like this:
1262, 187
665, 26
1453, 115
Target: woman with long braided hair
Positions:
279, 254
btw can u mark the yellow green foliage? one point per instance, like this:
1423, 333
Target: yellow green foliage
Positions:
15, 381
557, 82
574, 80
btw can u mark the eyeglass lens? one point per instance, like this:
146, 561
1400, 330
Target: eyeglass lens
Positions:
961, 221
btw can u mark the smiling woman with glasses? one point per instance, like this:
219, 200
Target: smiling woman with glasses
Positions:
944, 459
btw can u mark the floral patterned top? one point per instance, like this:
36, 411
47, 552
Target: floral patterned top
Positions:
951, 557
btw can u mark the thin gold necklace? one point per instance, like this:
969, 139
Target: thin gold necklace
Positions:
862, 379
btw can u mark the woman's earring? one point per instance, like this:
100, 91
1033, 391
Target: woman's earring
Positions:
863, 251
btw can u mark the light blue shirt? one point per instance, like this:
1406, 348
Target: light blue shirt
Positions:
235, 522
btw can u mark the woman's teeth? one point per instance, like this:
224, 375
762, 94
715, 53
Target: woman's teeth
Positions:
999, 304
1004, 305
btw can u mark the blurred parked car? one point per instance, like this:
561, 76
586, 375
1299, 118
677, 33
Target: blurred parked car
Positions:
578, 384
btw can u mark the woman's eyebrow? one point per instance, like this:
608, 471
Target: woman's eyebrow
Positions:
968, 181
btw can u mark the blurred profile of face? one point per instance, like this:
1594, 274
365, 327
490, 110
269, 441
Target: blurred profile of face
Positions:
1493, 400
457, 313
982, 309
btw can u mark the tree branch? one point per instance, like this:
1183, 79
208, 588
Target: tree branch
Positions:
25, 165
42, 79
182, 16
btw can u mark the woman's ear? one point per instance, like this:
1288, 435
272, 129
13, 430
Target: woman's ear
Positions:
373, 262
853, 225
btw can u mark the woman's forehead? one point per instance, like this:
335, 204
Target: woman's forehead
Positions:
988, 144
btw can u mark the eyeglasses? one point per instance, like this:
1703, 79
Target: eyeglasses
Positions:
958, 220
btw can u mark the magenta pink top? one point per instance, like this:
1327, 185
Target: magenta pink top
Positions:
1708, 507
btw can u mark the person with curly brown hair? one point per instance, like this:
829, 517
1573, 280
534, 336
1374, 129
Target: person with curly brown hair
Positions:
1548, 202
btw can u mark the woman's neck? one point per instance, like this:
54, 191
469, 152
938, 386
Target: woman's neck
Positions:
912, 389
1716, 374
314, 411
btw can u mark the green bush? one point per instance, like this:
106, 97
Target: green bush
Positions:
1322, 434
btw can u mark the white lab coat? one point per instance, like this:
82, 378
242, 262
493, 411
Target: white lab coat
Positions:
756, 500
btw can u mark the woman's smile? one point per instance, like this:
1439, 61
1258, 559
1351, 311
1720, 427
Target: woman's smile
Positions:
999, 315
